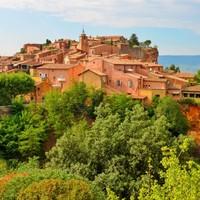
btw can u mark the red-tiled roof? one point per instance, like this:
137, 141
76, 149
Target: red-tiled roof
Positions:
56, 66
195, 88
122, 61
94, 71
185, 75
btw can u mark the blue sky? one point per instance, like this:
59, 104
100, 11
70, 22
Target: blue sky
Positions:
172, 25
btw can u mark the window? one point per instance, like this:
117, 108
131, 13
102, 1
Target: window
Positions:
185, 95
43, 76
197, 95
118, 83
104, 79
130, 84
192, 95
175, 95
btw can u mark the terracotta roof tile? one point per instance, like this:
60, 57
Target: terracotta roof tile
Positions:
56, 66
195, 88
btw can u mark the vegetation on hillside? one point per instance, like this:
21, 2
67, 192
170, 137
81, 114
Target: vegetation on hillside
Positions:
107, 148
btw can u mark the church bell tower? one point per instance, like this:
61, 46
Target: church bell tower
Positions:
83, 42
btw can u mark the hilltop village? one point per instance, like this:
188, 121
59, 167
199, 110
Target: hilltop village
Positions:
103, 62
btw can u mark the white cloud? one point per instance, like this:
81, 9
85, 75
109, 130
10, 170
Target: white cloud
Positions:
118, 13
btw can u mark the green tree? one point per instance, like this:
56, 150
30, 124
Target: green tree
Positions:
48, 42
133, 41
114, 152
119, 103
197, 76
147, 43
69, 43
172, 111
173, 68
72, 105
22, 50
63, 109
179, 181
12, 85
22, 134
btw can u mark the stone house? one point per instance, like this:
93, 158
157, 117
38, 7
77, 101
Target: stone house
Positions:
60, 76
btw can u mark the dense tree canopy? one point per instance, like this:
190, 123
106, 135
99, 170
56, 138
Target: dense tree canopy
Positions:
111, 152
180, 181
104, 146
171, 109
12, 85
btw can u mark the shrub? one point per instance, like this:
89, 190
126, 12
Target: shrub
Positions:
15, 187
57, 189
6, 179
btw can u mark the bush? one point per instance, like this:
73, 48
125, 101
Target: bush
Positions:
6, 179
26, 182
57, 189
188, 101
18, 183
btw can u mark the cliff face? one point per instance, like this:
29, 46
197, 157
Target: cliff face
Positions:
193, 115
144, 54
150, 55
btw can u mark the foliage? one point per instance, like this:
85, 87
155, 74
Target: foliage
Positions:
173, 68
20, 182
111, 195
48, 42
28, 179
3, 166
6, 179
146, 43
72, 105
120, 103
57, 189
12, 85
180, 181
133, 41
8, 137
69, 43
197, 76
17, 105
172, 111
22, 50
95, 97
22, 134
188, 101
113, 152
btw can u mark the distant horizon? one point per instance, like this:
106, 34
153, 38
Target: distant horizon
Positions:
165, 23
192, 55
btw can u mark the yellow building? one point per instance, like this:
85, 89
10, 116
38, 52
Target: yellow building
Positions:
93, 78
150, 93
